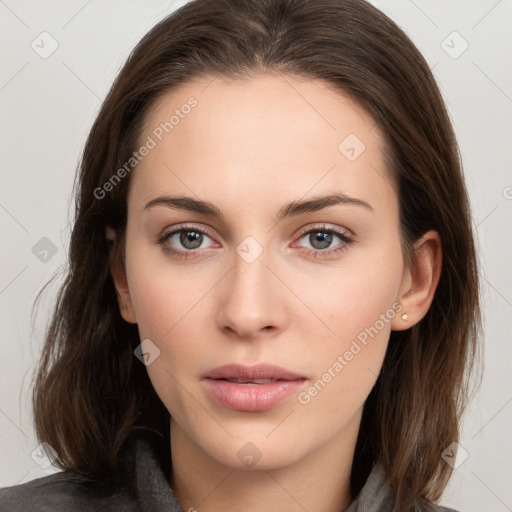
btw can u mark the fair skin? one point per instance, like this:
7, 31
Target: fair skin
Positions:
249, 148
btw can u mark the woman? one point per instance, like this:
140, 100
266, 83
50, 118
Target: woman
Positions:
272, 300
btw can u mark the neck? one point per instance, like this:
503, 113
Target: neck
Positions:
318, 482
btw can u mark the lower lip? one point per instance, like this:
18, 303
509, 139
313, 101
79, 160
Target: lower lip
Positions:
252, 397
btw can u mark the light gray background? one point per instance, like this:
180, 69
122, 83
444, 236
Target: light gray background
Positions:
48, 105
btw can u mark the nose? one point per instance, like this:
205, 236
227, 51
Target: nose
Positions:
253, 299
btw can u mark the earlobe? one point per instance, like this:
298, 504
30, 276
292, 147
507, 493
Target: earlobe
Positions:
123, 296
420, 281
125, 306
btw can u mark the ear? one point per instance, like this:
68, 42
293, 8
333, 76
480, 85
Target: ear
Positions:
420, 281
118, 272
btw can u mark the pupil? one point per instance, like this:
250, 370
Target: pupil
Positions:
190, 239
324, 239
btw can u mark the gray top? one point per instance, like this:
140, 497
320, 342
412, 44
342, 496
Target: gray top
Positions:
149, 491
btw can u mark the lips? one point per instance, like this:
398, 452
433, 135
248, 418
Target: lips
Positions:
252, 373
251, 388
252, 381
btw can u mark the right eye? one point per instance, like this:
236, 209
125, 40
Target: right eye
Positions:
183, 241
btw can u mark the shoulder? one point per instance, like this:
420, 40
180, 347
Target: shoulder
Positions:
376, 496
63, 491
432, 507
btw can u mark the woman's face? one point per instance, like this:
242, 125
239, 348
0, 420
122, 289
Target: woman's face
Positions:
254, 278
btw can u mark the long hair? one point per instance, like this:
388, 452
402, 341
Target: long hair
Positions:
91, 395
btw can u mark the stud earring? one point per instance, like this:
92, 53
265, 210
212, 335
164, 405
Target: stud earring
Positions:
405, 317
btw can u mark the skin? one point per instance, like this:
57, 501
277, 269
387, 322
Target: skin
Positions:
250, 147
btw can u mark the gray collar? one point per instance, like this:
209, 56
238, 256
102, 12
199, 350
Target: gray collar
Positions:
153, 489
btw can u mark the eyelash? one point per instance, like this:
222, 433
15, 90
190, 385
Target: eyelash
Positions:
316, 253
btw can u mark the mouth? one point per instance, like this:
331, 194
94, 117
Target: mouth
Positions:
251, 388
251, 381
260, 372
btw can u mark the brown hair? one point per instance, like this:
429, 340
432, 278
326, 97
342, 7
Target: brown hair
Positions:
91, 394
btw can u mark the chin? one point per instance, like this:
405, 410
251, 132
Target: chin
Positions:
250, 457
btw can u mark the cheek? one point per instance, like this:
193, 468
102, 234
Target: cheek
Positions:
175, 323
357, 309
173, 310
163, 293
345, 369
354, 298
167, 306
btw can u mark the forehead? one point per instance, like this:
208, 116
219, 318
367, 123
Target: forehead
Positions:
246, 135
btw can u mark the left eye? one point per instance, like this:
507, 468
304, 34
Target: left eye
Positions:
321, 239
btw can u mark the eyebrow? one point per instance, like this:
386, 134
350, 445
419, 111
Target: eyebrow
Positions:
292, 209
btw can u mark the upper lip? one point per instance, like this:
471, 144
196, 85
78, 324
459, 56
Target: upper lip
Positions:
259, 371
